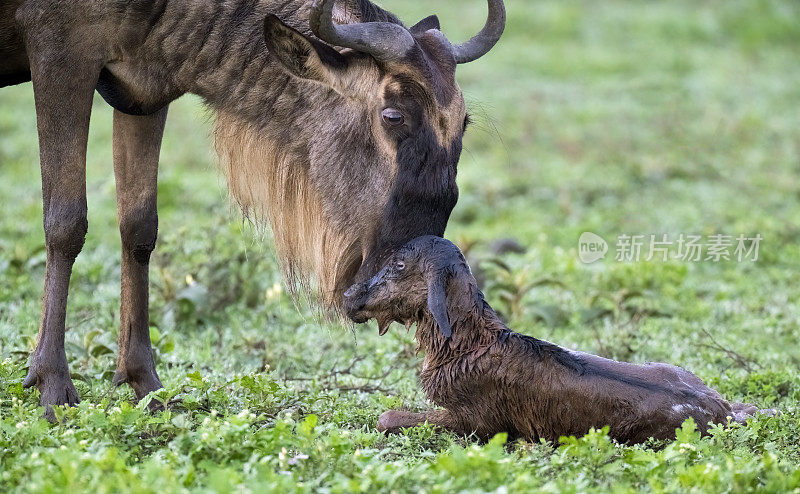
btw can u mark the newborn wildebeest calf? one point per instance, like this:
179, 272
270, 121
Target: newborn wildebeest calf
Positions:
489, 379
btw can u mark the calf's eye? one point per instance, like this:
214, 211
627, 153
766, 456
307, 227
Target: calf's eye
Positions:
392, 117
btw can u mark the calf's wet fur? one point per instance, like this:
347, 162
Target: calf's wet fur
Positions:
489, 379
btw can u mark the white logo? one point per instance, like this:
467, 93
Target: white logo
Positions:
591, 247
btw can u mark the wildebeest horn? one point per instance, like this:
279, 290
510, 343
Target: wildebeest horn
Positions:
481, 43
385, 41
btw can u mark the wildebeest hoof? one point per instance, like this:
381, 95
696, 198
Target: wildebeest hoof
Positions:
142, 382
55, 388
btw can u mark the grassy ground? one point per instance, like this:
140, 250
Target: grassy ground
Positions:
611, 117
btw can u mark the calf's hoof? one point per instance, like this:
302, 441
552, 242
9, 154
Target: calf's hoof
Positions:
394, 421
384, 422
740, 412
55, 388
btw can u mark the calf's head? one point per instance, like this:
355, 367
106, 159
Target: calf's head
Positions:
357, 153
426, 276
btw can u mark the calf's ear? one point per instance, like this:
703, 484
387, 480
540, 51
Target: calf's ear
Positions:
437, 303
301, 56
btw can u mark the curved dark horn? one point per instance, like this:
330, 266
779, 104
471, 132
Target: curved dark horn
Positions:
481, 43
383, 40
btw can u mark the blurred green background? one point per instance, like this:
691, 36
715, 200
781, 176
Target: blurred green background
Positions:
615, 117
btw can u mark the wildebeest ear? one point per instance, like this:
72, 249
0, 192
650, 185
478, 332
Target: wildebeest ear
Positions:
437, 303
301, 56
430, 22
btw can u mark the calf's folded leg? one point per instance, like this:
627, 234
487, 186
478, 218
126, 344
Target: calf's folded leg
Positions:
394, 421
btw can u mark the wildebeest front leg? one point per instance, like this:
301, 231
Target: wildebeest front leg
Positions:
137, 141
63, 84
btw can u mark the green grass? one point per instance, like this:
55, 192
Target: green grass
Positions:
612, 117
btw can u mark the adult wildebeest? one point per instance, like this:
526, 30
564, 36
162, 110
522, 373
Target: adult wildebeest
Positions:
335, 122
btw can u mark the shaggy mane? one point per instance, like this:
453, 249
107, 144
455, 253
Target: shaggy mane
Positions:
270, 187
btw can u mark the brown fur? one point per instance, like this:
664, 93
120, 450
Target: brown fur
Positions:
489, 379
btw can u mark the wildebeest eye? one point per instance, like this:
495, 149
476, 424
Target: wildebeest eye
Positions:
392, 117
399, 266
